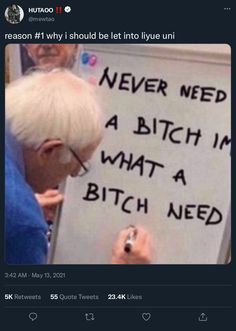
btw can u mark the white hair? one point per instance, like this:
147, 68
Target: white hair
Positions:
53, 105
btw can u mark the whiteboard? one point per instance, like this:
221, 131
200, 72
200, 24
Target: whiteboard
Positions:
178, 183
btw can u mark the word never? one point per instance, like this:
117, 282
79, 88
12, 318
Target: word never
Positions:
127, 81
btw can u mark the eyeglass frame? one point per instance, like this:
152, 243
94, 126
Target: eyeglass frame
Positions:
81, 163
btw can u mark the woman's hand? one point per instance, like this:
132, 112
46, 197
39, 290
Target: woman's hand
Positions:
140, 246
49, 201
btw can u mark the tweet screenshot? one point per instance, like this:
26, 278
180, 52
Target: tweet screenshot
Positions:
116, 166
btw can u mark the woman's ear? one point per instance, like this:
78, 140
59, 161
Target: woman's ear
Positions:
48, 149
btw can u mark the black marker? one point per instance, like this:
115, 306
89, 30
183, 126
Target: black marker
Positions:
129, 242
